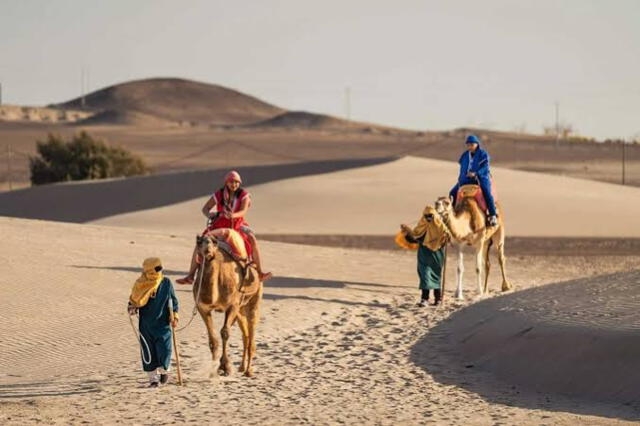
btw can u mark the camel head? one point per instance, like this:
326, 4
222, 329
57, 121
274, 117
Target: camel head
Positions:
207, 246
444, 206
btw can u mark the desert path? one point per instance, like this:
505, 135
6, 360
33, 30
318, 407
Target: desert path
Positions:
339, 340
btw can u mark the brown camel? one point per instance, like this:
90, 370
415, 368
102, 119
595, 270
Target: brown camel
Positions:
223, 285
467, 224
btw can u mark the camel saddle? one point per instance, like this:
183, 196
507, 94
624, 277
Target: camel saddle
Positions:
234, 246
472, 191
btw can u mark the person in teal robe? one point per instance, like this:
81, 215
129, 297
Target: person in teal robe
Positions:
152, 297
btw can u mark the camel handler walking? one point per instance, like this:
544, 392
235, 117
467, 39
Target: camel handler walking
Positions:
150, 298
429, 237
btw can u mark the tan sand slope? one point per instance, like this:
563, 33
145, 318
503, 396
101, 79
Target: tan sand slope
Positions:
375, 200
335, 345
578, 338
82, 201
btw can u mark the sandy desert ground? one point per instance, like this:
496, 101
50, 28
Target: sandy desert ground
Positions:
340, 339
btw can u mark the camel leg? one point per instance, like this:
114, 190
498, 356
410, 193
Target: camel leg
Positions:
214, 343
244, 328
252, 319
480, 266
460, 272
229, 318
506, 285
487, 266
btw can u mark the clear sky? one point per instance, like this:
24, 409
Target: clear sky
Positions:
498, 64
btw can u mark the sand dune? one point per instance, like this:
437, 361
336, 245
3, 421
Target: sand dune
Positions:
89, 200
577, 338
374, 200
339, 340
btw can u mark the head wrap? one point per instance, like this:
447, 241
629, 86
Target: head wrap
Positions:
148, 283
472, 139
232, 175
435, 231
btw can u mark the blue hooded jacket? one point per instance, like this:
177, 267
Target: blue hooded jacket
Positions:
478, 164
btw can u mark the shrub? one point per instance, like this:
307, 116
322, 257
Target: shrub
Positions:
83, 157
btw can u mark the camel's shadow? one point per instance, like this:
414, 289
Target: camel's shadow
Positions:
283, 283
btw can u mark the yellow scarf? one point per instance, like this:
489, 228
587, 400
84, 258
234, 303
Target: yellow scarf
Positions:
148, 283
435, 232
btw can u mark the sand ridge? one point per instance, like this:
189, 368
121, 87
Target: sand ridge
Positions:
374, 200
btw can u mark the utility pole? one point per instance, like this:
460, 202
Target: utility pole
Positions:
347, 100
82, 100
557, 123
9, 167
624, 149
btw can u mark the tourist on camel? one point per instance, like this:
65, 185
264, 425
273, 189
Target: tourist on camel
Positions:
474, 170
226, 210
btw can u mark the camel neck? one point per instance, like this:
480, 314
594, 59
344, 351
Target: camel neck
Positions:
459, 224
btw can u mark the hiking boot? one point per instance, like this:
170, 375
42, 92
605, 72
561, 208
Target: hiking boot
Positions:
185, 281
164, 378
154, 384
437, 293
422, 303
493, 220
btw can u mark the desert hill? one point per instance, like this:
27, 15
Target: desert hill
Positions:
312, 121
175, 100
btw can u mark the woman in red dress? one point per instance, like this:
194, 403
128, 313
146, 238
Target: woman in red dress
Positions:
226, 210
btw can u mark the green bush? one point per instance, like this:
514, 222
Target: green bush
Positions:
83, 157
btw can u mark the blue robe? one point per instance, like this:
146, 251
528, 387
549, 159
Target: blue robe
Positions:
477, 163
155, 328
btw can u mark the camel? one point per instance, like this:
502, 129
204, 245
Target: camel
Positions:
223, 285
467, 224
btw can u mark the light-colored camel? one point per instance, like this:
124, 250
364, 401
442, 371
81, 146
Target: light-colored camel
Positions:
467, 224
223, 285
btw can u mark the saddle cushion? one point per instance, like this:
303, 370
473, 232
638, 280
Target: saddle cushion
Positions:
472, 191
237, 244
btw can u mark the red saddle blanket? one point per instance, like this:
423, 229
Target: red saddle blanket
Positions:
238, 244
472, 191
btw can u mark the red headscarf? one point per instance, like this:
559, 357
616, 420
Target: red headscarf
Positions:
232, 175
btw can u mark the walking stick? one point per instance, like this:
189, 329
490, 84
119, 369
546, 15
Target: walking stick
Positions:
444, 274
175, 342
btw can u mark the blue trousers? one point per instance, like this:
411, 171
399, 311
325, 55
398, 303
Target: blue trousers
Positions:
485, 185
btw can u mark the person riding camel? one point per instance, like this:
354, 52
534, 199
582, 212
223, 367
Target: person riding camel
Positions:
474, 170
226, 210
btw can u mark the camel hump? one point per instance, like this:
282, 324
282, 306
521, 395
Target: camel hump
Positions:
474, 192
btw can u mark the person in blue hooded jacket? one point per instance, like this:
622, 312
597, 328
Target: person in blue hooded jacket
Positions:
474, 169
